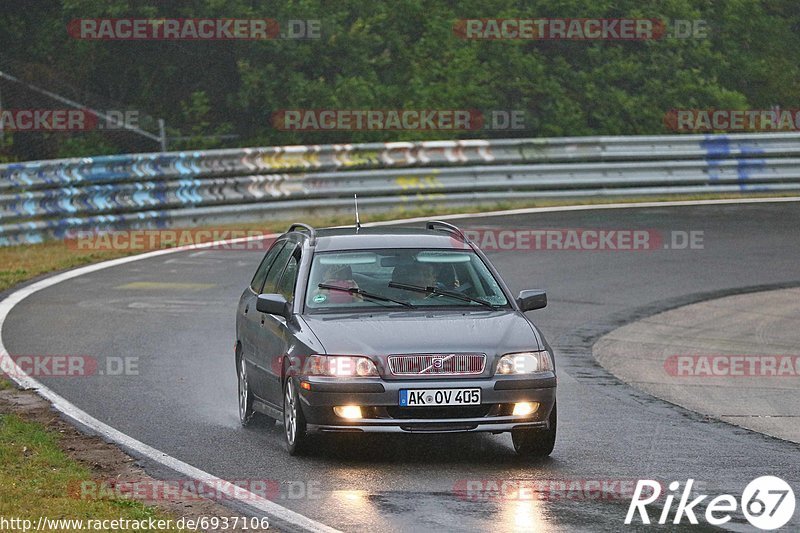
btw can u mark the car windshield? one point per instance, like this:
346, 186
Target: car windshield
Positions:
401, 278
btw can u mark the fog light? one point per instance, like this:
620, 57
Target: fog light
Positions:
525, 408
347, 411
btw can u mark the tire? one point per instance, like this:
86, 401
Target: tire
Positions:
246, 411
294, 423
536, 442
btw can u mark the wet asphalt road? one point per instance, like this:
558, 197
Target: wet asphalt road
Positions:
180, 325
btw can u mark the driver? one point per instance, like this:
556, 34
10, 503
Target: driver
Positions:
419, 274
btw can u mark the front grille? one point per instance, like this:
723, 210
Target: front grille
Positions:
454, 364
439, 413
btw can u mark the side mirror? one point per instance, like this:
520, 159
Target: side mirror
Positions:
274, 304
531, 299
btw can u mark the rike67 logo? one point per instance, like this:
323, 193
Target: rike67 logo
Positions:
767, 502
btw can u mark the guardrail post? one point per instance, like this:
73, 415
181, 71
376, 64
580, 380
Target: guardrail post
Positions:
2, 133
162, 134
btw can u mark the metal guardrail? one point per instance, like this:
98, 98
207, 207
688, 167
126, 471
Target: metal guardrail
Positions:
55, 198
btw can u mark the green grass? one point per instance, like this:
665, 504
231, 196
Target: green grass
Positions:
21, 263
37, 479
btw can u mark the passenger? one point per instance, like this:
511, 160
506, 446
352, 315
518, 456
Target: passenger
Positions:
339, 276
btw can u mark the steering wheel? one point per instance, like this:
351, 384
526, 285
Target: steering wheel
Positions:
461, 289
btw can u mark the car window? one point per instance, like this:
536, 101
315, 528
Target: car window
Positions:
261, 274
289, 278
379, 272
277, 268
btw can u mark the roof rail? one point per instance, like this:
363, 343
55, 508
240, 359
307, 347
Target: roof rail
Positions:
312, 233
449, 228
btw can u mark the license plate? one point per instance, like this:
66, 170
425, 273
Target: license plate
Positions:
428, 397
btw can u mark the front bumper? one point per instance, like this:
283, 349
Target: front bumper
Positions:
379, 400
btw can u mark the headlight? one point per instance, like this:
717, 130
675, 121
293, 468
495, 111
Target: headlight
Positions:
525, 363
340, 366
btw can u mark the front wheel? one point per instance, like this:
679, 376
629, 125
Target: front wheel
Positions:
536, 442
294, 423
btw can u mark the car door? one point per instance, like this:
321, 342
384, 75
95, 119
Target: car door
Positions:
268, 336
248, 318
278, 332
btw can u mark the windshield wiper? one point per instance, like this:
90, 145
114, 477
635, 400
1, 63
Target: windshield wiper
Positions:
365, 294
434, 290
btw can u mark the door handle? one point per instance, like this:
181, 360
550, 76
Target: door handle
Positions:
246, 308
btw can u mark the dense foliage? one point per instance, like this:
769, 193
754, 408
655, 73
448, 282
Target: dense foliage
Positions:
403, 54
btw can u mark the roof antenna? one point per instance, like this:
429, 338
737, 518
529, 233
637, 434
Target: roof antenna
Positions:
358, 222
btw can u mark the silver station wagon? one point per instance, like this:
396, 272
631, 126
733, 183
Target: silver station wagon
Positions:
392, 330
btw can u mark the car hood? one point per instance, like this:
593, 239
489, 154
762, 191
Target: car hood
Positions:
489, 332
